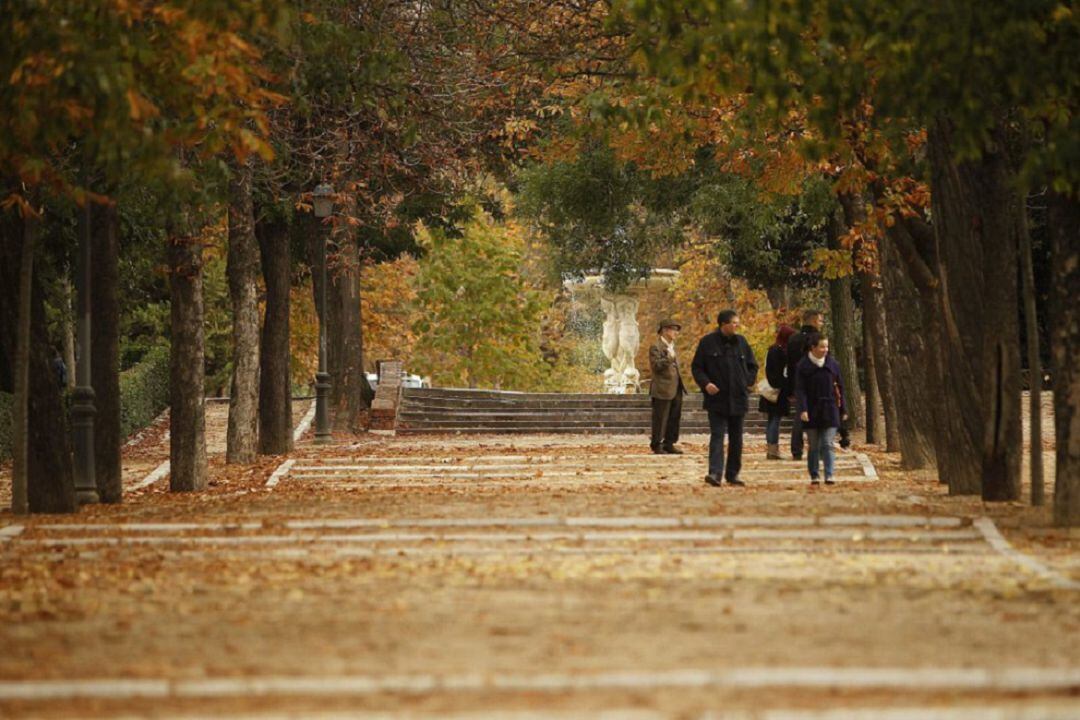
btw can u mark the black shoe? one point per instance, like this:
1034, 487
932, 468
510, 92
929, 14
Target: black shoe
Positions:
736, 482
830, 481
712, 480
656, 451
814, 481
673, 450
796, 456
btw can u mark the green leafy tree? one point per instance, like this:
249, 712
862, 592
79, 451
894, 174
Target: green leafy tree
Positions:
481, 320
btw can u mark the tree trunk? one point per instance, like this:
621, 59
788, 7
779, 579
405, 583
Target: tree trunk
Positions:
1064, 225
50, 482
346, 396
1031, 319
275, 378
844, 337
68, 329
243, 276
909, 359
187, 448
779, 296
20, 502
105, 353
977, 216
873, 398
876, 330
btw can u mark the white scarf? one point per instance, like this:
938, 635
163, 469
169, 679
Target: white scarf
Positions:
820, 362
669, 345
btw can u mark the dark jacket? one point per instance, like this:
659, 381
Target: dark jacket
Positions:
797, 347
817, 390
729, 364
775, 373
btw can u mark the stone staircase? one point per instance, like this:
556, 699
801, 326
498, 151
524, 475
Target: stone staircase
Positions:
441, 410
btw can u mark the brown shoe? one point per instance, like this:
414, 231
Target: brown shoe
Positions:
673, 450
736, 482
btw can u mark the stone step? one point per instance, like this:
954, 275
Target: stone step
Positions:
485, 411
463, 395
556, 414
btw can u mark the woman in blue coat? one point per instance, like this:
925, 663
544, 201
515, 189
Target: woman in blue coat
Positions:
819, 391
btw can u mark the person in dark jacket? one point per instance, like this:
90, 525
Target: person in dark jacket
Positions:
813, 322
776, 372
819, 390
725, 369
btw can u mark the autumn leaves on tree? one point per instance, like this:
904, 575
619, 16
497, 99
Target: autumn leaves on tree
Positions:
481, 151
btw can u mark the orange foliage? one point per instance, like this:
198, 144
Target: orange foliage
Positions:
388, 309
704, 288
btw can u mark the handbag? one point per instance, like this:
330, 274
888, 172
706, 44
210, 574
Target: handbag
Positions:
767, 391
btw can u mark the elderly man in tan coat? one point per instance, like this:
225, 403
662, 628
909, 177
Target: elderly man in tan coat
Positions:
666, 390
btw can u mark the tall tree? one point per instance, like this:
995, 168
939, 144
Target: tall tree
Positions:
275, 380
105, 352
1064, 222
187, 434
1007, 69
243, 276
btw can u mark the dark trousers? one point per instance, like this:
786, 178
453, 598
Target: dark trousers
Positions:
666, 416
732, 426
796, 435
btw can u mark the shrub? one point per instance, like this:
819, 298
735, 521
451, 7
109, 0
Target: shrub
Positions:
144, 391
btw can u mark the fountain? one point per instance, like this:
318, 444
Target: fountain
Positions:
622, 336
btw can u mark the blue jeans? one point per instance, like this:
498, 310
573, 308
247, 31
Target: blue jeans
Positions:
732, 426
772, 429
821, 445
796, 436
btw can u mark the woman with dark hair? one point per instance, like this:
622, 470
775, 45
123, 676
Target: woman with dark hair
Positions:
777, 406
819, 391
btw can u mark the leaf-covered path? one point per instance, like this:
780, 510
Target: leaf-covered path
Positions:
548, 576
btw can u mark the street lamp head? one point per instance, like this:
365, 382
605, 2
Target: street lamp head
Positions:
323, 200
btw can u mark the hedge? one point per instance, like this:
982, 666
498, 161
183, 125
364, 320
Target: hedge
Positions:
144, 393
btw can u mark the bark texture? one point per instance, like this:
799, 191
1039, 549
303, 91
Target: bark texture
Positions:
350, 393
873, 397
876, 329
875, 332
187, 449
105, 353
1031, 320
275, 381
844, 338
1064, 226
977, 218
242, 270
68, 339
50, 479
20, 502
909, 359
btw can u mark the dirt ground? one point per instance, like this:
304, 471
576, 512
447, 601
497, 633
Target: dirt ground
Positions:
497, 575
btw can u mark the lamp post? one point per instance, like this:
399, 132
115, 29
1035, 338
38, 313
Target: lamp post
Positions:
323, 200
82, 405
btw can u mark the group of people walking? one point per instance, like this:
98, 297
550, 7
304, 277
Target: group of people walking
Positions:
800, 375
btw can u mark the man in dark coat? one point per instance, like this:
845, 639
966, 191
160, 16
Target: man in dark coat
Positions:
813, 322
666, 390
725, 369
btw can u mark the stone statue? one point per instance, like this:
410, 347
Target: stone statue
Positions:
620, 343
